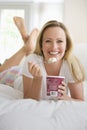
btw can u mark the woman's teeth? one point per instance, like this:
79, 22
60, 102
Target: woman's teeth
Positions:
53, 53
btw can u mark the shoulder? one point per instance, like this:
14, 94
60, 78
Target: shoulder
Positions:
65, 71
65, 64
30, 56
34, 57
65, 67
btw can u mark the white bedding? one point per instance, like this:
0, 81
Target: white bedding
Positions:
17, 113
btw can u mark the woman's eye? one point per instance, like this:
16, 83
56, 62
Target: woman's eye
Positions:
59, 41
47, 41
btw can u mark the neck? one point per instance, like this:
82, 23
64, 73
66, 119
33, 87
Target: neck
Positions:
54, 68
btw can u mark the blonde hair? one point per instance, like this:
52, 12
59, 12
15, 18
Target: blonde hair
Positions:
75, 66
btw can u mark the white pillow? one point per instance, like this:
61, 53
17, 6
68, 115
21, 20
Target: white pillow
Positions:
8, 92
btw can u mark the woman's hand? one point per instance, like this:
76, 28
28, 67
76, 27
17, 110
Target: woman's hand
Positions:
62, 89
35, 70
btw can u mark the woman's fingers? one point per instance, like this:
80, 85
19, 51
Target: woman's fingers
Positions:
35, 69
62, 89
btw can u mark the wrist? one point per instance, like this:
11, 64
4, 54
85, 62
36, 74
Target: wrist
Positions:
38, 78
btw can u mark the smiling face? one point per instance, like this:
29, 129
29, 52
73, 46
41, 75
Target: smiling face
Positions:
54, 43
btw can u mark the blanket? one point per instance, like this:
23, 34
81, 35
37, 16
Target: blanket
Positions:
17, 113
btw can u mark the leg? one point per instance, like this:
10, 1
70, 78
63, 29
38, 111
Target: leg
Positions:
31, 42
20, 23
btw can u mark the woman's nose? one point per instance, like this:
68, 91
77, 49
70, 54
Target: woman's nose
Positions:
54, 45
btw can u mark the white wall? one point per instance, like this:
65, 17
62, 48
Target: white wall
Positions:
75, 17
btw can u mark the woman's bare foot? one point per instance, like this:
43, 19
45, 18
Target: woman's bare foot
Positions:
20, 23
31, 42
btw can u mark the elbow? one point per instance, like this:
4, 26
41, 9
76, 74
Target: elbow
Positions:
37, 98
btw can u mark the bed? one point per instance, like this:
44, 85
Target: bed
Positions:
17, 113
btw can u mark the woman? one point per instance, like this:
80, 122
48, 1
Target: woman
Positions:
53, 42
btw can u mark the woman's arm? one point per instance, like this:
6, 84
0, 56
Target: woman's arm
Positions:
76, 91
32, 86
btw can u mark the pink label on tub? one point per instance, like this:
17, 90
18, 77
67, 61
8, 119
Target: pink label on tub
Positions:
52, 85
